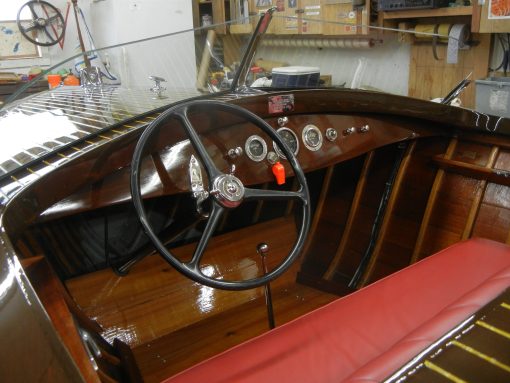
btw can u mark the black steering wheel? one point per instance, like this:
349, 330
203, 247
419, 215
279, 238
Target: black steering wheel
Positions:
226, 191
47, 25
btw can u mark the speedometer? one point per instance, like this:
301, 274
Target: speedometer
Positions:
290, 139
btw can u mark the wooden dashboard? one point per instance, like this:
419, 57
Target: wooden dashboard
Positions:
165, 170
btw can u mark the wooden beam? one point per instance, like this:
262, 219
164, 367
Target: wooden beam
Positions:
360, 187
497, 176
388, 214
475, 205
431, 203
436, 12
320, 206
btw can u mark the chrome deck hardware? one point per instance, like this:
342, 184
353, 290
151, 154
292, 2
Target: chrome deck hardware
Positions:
157, 89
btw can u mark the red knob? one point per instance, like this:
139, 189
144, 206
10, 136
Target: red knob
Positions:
279, 173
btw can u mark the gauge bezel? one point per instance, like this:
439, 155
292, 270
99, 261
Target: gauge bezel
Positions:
331, 134
307, 144
248, 151
278, 150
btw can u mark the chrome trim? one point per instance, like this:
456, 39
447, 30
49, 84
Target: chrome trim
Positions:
306, 140
331, 134
278, 150
248, 151
239, 81
228, 190
157, 89
349, 131
197, 185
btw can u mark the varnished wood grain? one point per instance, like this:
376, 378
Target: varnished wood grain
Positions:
121, 304
402, 232
500, 176
320, 207
154, 308
431, 203
430, 78
360, 188
363, 222
388, 213
475, 207
181, 349
52, 294
171, 163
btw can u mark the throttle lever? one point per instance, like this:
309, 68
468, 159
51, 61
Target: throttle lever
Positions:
263, 249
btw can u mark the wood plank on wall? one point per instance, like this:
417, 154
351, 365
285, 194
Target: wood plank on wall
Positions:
430, 78
492, 25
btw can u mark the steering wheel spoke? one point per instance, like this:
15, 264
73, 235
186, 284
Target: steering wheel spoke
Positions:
212, 223
32, 10
262, 194
210, 167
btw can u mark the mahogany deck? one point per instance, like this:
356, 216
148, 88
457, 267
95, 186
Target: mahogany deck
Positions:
171, 322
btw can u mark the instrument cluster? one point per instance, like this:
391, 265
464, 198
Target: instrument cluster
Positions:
311, 137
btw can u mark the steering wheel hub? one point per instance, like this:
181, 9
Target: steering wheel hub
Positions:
228, 190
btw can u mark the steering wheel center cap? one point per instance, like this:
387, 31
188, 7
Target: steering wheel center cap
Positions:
229, 190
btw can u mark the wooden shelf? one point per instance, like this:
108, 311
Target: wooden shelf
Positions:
419, 13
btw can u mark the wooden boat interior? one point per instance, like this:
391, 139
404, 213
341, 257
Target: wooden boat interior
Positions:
400, 187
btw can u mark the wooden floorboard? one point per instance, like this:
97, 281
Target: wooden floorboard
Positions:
154, 299
171, 322
175, 352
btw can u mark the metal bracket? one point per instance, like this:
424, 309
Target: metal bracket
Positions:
197, 185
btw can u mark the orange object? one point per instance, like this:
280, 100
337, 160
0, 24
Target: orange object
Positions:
54, 80
71, 80
279, 173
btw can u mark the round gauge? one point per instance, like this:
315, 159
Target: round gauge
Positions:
256, 148
312, 137
290, 138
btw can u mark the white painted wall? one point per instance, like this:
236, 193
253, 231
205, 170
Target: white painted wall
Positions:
54, 54
121, 21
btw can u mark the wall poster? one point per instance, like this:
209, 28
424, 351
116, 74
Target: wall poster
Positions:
13, 45
499, 9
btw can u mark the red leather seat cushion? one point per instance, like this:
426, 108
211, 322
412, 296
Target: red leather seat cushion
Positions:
371, 333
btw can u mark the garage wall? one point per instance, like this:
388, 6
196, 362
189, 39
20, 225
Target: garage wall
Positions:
51, 55
383, 67
120, 21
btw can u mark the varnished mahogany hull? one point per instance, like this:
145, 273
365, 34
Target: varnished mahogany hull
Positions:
448, 182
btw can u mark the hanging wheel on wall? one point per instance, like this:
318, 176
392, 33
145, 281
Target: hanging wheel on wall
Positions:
46, 26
